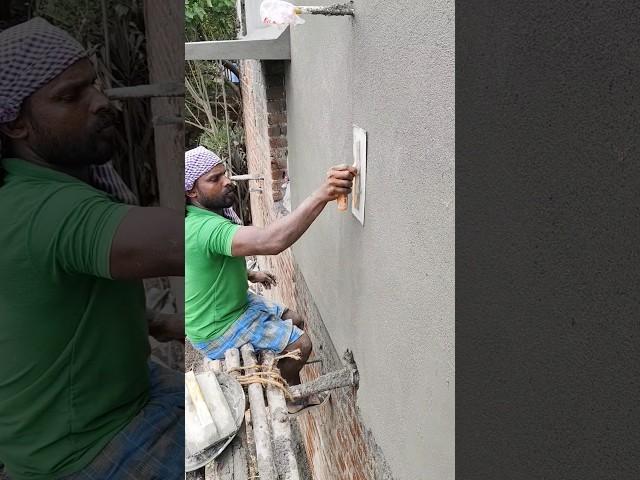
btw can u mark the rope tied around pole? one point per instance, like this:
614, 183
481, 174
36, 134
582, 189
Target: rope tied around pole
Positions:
267, 374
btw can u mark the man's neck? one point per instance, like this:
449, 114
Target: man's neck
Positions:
219, 211
81, 172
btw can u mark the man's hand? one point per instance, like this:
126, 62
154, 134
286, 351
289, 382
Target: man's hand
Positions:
267, 279
281, 234
339, 182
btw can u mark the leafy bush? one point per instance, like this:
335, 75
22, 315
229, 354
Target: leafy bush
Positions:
210, 20
213, 105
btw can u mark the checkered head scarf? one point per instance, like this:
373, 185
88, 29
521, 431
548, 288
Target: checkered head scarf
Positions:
31, 55
197, 162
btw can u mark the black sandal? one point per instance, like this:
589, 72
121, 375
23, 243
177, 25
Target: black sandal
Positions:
323, 397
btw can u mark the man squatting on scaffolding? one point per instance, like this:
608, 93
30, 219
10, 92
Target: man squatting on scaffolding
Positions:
79, 398
219, 311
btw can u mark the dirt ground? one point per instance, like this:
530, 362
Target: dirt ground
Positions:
170, 354
193, 360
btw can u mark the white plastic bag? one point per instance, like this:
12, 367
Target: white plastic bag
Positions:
279, 13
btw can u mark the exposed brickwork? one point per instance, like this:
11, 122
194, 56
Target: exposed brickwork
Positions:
338, 445
265, 119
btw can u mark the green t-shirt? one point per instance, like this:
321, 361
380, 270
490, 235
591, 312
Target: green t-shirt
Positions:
215, 281
73, 343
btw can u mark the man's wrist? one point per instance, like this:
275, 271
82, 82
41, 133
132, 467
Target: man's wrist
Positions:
318, 197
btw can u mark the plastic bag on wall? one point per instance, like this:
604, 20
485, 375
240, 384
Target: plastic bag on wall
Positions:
279, 13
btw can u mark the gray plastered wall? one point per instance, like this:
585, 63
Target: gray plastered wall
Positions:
385, 290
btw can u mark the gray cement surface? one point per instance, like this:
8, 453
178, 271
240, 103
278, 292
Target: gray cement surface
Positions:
385, 290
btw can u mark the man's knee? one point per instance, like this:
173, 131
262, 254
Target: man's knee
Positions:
303, 344
307, 345
295, 318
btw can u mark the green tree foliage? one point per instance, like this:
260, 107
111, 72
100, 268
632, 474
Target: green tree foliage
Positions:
210, 20
213, 105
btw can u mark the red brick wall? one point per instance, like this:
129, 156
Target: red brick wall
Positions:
338, 445
265, 118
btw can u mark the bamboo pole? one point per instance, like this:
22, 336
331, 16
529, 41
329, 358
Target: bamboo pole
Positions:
105, 33
226, 109
232, 464
161, 120
164, 28
214, 365
249, 443
165, 89
249, 176
231, 361
345, 377
261, 430
133, 177
285, 458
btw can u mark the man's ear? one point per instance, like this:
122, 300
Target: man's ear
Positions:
191, 193
16, 129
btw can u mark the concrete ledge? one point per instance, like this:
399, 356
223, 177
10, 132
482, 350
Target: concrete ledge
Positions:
269, 43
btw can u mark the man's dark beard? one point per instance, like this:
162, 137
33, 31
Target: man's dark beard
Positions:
92, 149
216, 203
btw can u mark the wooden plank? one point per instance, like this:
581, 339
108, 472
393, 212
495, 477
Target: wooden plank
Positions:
198, 474
161, 121
164, 23
240, 470
250, 446
166, 89
231, 464
222, 467
261, 430
285, 458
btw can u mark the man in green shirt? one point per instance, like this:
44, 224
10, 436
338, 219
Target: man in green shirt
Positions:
219, 311
78, 397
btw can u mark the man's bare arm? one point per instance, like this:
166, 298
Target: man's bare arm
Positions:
148, 243
284, 232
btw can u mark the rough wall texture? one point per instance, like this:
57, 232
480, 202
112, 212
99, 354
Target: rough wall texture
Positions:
337, 444
385, 290
548, 159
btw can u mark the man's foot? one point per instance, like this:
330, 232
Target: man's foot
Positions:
298, 407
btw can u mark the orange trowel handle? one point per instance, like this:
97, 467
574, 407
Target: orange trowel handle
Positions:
342, 203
